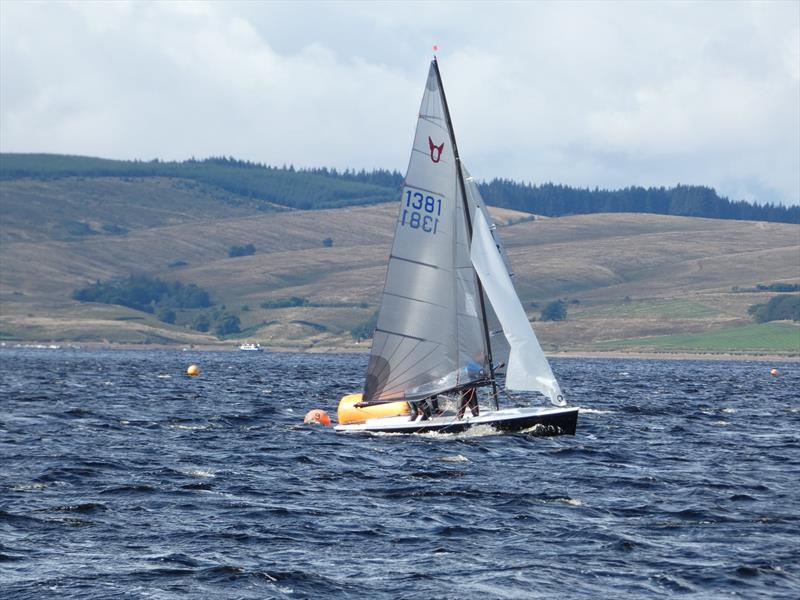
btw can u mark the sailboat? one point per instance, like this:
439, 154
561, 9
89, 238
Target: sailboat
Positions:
451, 335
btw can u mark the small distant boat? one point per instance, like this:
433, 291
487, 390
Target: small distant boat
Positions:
38, 346
450, 322
250, 347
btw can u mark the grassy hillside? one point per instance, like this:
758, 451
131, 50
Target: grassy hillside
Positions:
629, 279
75, 209
781, 337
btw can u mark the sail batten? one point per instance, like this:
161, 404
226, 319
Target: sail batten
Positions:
414, 299
405, 335
416, 262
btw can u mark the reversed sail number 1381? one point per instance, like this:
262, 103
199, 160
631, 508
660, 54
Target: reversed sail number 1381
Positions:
421, 212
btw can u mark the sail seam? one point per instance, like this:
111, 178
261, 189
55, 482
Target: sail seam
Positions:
411, 366
397, 347
394, 384
407, 354
464, 314
405, 335
433, 121
382, 346
443, 160
410, 260
414, 299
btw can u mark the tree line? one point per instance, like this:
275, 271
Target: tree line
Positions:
145, 293
284, 186
554, 200
171, 302
317, 188
779, 308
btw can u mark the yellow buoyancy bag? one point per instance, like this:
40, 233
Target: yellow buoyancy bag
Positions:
348, 413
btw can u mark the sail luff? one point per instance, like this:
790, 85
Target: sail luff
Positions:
463, 188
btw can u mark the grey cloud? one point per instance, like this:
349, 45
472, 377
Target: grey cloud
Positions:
588, 94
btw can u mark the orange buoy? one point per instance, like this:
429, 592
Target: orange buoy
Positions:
774, 372
193, 371
317, 416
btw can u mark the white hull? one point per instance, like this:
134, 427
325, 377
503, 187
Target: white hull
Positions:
251, 348
540, 420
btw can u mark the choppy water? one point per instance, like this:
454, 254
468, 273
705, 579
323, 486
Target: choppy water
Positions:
120, 477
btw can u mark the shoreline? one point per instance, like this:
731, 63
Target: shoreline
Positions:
233, 347
721, 356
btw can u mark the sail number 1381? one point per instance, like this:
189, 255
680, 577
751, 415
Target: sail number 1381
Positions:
421, 211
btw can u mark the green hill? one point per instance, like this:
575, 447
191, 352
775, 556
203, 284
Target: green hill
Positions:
251, 183
264, 186
780, 338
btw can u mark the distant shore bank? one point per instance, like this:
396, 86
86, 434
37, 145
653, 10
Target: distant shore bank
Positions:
364, 348
677, 356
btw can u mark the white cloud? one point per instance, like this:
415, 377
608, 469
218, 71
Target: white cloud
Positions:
606, 94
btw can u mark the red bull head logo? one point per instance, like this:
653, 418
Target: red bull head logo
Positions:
436, 151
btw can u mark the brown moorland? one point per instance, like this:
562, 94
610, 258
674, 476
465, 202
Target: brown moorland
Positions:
624, 276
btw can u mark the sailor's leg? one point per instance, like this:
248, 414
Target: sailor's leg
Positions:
462, 405
473, 404
425, 408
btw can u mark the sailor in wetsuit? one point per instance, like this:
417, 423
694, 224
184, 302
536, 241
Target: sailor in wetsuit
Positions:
427, 408
469, 397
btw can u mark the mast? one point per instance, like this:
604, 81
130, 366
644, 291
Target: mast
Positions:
463, 187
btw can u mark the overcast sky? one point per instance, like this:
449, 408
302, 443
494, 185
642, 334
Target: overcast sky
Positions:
583, 93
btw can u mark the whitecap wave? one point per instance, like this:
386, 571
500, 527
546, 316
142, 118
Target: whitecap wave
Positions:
454, 458
199, 473
569, 501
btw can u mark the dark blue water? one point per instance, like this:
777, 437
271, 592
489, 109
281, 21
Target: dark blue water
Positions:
120, 477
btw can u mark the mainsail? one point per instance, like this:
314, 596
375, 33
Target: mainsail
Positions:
435, 330
429, 327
